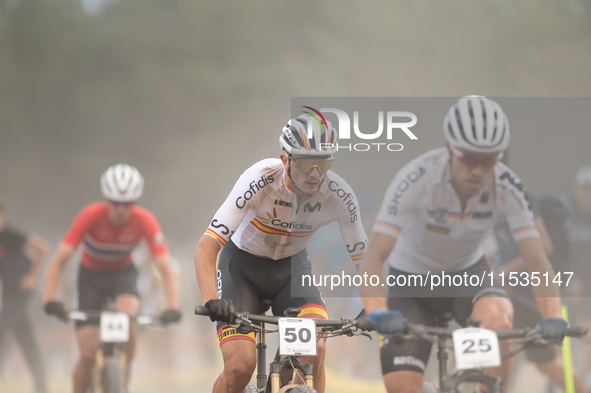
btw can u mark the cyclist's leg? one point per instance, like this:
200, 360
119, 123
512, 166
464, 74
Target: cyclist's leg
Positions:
403, 365
90, 298
238, 349
310, 301
87, 337
126, 296
25, 335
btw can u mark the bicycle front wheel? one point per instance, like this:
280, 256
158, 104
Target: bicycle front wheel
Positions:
112, 381
303, 389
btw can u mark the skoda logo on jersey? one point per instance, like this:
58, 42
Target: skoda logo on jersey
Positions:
395, 121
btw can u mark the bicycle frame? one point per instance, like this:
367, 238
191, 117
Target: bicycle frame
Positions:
279, 364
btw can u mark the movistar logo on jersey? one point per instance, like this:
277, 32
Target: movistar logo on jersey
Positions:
255, 186
347, 197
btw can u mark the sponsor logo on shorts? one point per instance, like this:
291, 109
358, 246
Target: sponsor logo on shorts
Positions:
409, 361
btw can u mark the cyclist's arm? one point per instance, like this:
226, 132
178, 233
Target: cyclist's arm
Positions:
62, 255
547, 297
380, 246
39, 246
169, 279
205, 267
518, 264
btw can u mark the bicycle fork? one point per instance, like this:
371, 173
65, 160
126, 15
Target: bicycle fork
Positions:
261, 360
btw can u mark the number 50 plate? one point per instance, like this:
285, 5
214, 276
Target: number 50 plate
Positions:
476, 348
297, 336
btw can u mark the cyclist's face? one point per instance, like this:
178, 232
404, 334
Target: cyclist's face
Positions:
471, 171
309, 177
583, 198
119, 212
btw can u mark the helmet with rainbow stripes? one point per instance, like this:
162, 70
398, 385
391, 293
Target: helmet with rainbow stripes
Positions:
308, 135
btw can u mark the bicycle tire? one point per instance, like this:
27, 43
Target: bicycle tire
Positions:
112, 381
303, 389
429, 388
250, 388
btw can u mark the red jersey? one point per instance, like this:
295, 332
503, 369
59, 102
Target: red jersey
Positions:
106, 247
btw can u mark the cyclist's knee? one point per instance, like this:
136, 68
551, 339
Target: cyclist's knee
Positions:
239, 371
239, 366
496, 313
87, 356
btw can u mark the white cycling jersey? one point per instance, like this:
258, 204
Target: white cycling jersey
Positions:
422, 211
263, 218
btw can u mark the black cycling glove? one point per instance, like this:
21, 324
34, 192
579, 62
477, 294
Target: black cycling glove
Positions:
172, 315
221, 310
56, 309
553, 328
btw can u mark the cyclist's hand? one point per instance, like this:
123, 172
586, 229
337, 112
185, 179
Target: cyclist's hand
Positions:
172, 315
56, 309
553, 328
221, 310
388, 321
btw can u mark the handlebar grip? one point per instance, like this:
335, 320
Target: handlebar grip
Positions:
577, 331
202, 310
366, 324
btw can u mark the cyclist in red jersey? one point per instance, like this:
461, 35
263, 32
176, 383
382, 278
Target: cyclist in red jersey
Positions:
109, 231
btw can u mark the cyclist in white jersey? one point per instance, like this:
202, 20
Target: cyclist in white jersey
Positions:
262, 229
434, 217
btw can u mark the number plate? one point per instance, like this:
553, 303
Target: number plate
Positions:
297, 336
476, 348
114, 327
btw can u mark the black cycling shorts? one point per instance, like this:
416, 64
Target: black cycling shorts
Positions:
247, 279
95, 288
413, 355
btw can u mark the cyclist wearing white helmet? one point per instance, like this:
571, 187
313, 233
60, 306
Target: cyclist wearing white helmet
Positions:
109, 231
434, 216
264, 226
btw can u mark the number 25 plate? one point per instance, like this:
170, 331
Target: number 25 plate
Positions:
297, 336
476, 348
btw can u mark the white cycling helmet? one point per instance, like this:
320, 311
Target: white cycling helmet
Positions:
584, 176
476, 124
294, 138
122, 183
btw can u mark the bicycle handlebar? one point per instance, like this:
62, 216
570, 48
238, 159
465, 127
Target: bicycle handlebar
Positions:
572, 331
202, 310
95, 316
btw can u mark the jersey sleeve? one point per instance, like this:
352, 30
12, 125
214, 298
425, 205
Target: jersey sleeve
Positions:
247, 192
516, 206
81, 224
153, 234
349, 220
397, 203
